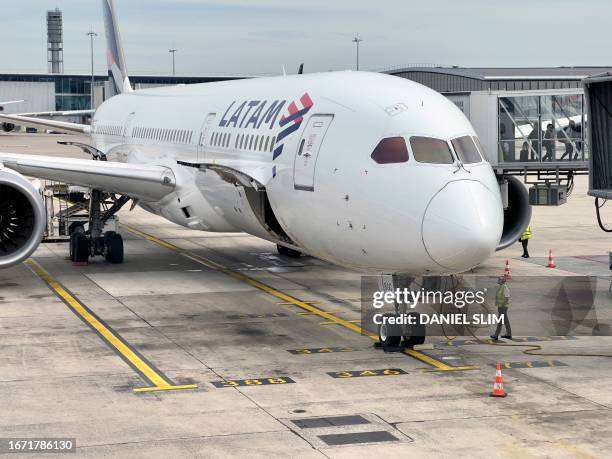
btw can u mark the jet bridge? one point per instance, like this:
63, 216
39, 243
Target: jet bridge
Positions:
598, 94
537, 134
598, 97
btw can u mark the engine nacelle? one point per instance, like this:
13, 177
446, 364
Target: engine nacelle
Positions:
7, 127
517, 214
22, 218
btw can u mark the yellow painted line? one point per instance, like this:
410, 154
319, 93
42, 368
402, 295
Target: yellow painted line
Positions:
333, 311
437, 364
148, 372
169, 387
335, 323
309, 302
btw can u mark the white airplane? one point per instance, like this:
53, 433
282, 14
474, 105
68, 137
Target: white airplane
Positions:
364, 170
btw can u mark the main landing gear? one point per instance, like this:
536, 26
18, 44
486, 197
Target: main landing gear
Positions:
93, 241
391, 335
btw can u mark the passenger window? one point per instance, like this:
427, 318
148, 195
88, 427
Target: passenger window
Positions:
392, 150
466, 150
272, 144
267, 142
251, 138
261, 141
429, 150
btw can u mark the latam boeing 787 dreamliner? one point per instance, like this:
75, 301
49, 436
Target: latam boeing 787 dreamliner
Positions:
364, 170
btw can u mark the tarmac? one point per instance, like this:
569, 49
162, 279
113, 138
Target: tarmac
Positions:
213, 345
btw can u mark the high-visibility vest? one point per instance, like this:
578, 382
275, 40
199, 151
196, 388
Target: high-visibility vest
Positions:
526, 234
502, 297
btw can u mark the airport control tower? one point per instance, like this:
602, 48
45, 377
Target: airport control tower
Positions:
55, 41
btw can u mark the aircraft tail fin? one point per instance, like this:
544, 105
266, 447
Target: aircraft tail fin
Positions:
117, 69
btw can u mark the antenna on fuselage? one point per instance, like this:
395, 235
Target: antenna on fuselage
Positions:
284, 70
301, 70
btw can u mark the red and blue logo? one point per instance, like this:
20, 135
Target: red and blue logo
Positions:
292, 121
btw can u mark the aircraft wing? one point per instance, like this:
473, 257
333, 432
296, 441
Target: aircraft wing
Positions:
57, 113
11, 102
60, 126
139, 181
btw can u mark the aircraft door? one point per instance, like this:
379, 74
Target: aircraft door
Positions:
308, 151
127, 126
206, 132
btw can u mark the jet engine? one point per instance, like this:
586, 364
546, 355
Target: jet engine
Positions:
517, 211
7, 127
22, 218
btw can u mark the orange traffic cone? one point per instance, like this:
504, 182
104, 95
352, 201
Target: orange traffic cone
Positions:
551, 260
507, 271
498, 386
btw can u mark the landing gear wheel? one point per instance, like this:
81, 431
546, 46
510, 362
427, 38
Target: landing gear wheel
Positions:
114, 247
79, 245
389, 335
416, 337
282, 250
75, 226
74, 230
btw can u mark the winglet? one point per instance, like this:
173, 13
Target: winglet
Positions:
114, 50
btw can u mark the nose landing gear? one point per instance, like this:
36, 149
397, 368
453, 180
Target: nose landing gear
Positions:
392, 337
395, 334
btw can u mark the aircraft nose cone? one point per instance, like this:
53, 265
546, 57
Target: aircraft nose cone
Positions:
462, 225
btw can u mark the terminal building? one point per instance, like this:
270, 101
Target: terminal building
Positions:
62, 92
528, 119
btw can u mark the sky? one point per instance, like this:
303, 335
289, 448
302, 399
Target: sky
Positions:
258, 37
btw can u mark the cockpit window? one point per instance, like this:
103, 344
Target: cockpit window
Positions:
480, 148
466, 150
391, 150
429, 150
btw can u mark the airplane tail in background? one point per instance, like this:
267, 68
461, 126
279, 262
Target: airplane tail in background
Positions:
114, 50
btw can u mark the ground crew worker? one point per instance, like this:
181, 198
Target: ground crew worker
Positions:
502, 301
525, 241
